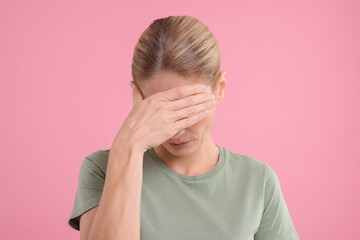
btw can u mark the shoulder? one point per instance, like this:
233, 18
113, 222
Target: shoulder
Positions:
254, 169
246, 164
97, 159
245, 161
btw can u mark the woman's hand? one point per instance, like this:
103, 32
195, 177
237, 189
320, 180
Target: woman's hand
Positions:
159, 117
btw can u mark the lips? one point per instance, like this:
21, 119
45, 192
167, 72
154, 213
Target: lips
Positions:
177, 143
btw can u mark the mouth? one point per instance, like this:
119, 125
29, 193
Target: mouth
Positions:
179, 144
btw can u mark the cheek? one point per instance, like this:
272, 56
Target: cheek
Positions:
207, 120
201, 125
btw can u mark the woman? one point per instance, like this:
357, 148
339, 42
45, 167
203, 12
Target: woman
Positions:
164, 177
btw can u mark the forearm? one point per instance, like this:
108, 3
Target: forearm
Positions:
118, 214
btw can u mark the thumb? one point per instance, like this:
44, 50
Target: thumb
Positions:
136, 93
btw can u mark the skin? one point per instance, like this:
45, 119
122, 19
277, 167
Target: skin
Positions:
201, 154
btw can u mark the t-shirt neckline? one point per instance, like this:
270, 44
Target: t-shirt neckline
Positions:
207, 174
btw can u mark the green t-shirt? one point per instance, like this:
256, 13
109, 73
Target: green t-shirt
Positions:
240, 198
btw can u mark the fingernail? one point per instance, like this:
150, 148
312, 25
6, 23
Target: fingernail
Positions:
130, 83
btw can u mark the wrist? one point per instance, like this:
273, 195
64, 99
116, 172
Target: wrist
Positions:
124, 140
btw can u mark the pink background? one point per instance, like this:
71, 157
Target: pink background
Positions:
292, 100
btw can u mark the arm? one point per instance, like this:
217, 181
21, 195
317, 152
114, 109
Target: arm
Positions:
118, 213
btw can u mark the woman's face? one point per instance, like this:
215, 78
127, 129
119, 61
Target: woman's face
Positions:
198, 133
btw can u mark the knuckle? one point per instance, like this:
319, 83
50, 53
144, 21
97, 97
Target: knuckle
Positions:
163, 121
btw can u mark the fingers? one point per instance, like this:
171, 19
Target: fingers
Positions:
178, 134
191, 100
187, 122
194, 110
183, 91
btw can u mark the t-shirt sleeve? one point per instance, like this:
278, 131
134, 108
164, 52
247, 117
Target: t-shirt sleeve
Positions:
276, 223
90, 186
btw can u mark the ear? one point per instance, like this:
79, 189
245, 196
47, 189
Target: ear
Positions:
220, 87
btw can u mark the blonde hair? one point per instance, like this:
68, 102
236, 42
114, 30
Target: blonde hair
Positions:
178, 44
